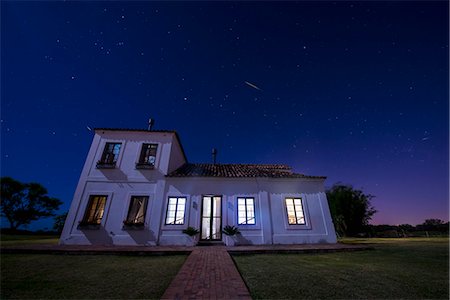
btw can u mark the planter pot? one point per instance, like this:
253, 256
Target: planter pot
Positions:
230, 240
192, 240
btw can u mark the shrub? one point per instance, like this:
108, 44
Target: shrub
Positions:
230, 230
191, 231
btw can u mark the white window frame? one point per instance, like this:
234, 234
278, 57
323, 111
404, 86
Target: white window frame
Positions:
128, 202
157, 158
257, 225
83, 206
102, 149
304, 202
254, 210
185, 216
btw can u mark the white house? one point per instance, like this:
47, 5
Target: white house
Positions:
137, 188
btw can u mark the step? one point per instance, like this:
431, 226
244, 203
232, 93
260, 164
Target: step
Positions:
210, 243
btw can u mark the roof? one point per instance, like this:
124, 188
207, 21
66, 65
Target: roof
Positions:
137, 130
238, 171
149, 131
224, 170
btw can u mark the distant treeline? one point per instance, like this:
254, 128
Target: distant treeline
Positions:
431, 227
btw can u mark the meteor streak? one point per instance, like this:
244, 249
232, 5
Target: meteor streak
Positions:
252, 85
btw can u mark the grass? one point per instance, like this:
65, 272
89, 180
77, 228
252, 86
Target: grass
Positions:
410, 268
21, 240
86, 276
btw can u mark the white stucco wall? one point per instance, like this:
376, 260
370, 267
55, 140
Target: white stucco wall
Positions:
119, 184
271, 218
124, 181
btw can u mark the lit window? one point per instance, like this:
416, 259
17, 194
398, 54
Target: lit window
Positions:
110, 155
175, 211
94, 211
295, 211
137, 210
246, 211
148, 156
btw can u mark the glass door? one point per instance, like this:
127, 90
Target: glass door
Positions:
211, 218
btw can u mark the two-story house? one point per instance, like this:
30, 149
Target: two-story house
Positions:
137, 188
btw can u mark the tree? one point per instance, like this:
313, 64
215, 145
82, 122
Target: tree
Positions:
22, 203
433, 225
405, 229
59, 222
350, 209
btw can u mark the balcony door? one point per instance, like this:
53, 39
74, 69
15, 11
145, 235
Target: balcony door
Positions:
211, 218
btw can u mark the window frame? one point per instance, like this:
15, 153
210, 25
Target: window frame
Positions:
234, 210
246, 218
142, 165
295, 210
186, 205
306, 216
105, 165
82, 223
126, 222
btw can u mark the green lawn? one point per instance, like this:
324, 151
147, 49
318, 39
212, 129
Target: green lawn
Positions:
410, 268
87, 276
20, 240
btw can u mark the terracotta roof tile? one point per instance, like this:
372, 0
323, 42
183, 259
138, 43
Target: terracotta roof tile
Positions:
237, 171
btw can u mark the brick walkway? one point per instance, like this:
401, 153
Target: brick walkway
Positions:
208, 273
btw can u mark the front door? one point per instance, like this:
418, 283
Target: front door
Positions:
211, 218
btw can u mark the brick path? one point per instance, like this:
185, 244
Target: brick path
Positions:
208, 273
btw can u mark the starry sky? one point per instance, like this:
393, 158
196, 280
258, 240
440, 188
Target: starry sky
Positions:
356, 91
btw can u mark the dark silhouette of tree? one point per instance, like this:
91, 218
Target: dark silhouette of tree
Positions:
22, 203
433, 222
433, 225
59, 222
350, 209
405, 229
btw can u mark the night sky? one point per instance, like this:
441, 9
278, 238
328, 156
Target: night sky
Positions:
356, 91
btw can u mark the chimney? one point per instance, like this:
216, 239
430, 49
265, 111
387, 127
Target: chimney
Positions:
214, 154
150, 123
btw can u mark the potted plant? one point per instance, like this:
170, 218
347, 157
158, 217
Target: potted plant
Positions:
192, 233
230, 232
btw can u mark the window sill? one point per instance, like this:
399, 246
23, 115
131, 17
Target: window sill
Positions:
174, 227
102, 165
88, 226
133, 226
298, 227
144, 166
249, 227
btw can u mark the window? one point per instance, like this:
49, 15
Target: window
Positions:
295, 211
110, 155
137, 210
148, 156
175, 211
246, 211
94, 211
